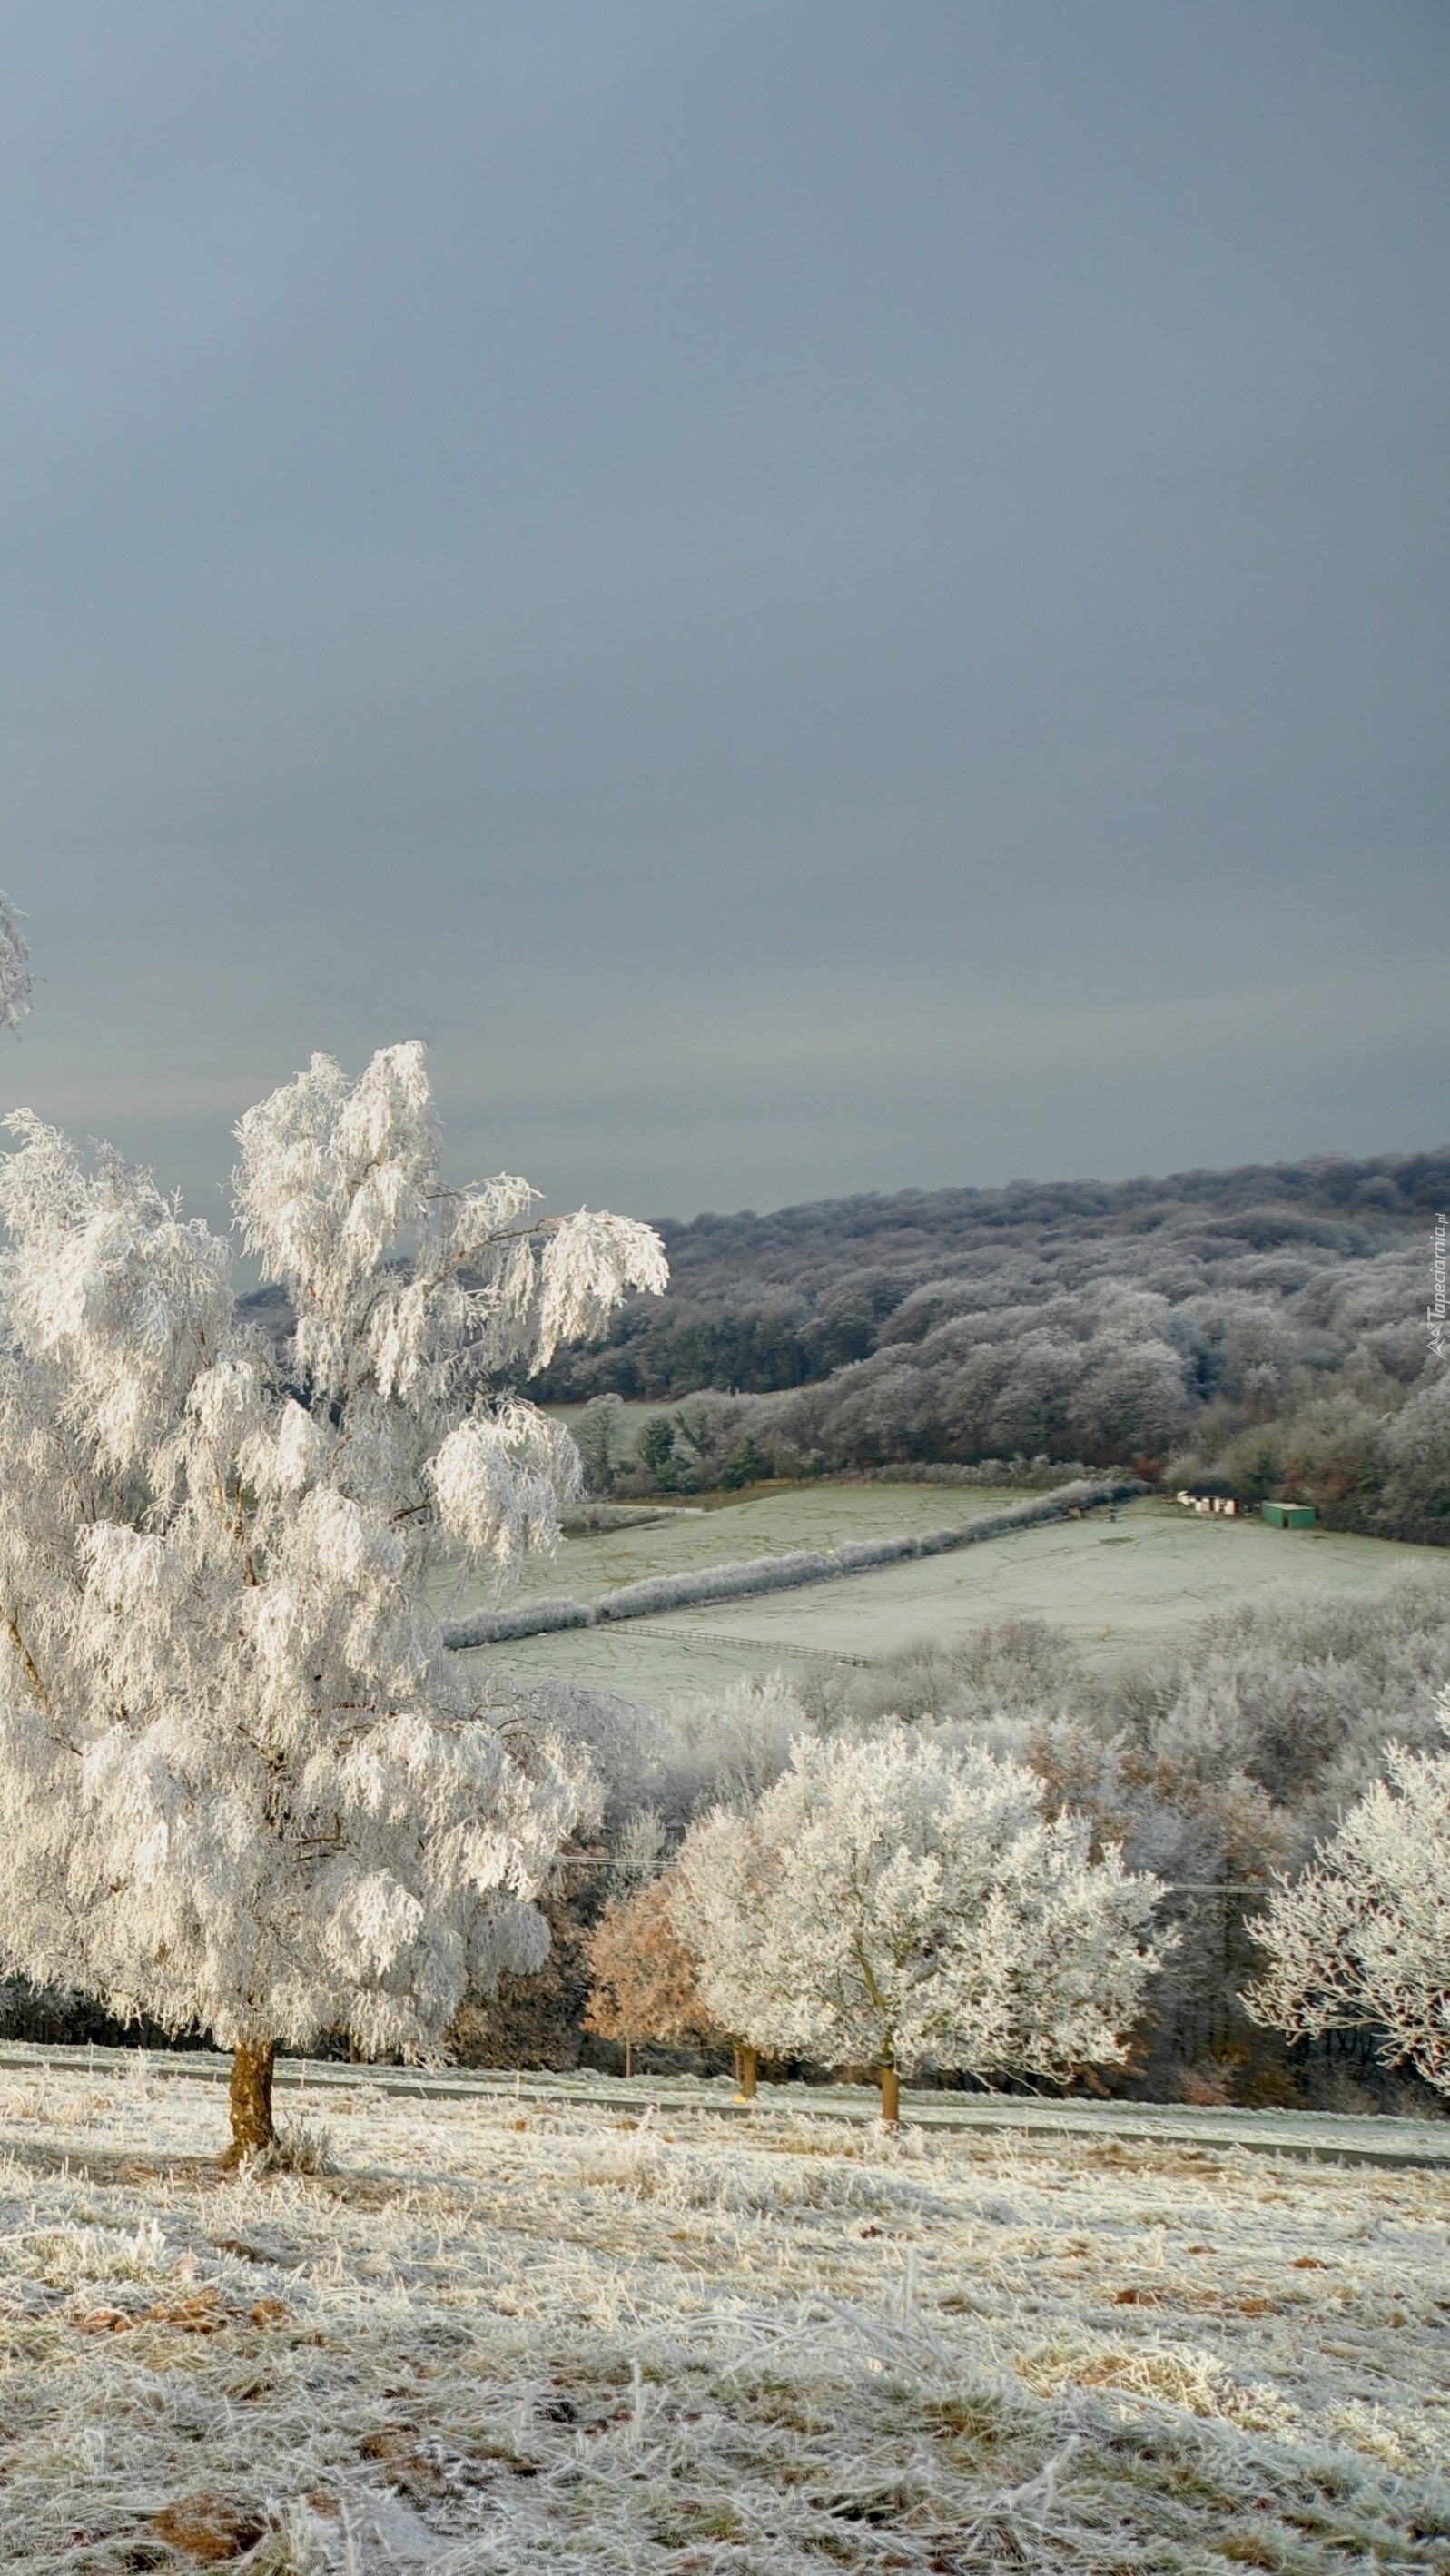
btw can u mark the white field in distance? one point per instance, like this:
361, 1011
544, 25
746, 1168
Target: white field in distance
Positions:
1142, 1579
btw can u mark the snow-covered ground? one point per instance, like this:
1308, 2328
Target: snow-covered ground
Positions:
1113, 1586
688, 1537
517, 2336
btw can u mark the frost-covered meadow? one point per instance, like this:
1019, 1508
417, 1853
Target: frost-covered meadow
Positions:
517, 2335
1114, 1588
683, 1538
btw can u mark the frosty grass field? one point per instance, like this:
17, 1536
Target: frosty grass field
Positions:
1112, 1586
521, 2336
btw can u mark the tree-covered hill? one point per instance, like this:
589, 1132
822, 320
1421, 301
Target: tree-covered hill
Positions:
758, 1303
1266, 1323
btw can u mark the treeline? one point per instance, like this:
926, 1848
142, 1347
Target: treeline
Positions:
1263, 1329
1215, 1763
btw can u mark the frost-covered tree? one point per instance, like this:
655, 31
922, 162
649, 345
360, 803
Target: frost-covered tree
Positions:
242, 1783
15, 984
1361, 1940
1416, 1502
896, 1901
602, 1440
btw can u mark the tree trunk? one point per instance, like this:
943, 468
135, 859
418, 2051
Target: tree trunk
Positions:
251, 2099
628, 2058
891, 2097
749, 2070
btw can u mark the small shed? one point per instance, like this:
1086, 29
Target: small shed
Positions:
1290, 1515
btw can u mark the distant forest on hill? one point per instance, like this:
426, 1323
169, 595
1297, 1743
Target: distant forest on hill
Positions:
1263, 1327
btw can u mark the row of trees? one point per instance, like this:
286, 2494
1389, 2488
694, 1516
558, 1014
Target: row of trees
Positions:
897, 1902
1265, 1327
766, 1303
893, 1902
1085, 1382
1219, 1761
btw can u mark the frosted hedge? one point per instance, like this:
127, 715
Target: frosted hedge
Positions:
755, 1575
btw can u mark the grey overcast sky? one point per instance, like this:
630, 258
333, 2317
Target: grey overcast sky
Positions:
822, 594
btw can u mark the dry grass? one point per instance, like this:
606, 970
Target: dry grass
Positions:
517, 2340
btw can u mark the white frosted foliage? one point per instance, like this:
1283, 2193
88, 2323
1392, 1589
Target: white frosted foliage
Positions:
500, 1480
1362, 1939
15, 984
242, 1782
901, 1902
590, 1262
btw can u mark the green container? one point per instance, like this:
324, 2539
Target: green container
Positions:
1290, 1515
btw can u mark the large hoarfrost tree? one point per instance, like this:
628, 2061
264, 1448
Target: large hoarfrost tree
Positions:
242, 1783
898, 1902
1362, 1939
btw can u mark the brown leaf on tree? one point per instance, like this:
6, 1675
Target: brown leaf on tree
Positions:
644, 1977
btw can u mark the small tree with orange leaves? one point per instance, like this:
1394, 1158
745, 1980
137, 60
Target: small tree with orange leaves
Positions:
644, 1977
